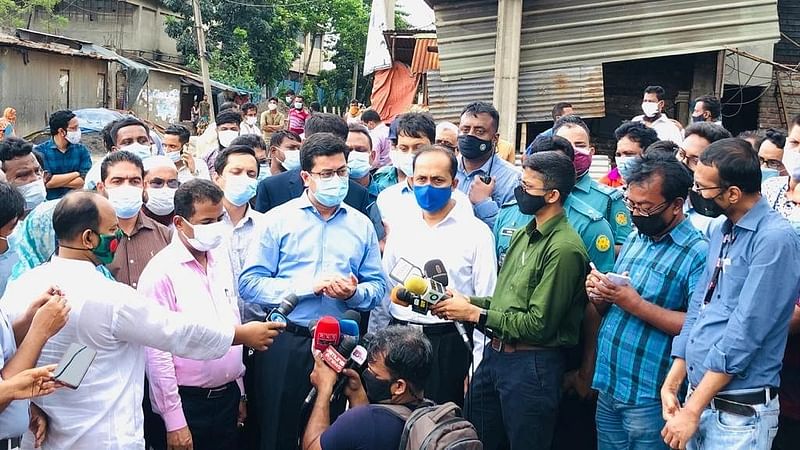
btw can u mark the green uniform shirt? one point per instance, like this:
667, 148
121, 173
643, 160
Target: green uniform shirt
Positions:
593, 229
608, 202
382, 178
539, 298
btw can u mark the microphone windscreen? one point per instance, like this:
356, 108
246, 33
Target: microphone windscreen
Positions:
349, 328
434, 269
417, 285
326, 333
355, 316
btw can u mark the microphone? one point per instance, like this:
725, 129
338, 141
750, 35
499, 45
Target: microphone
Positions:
336, 359
434, 269
401, 296
350, 323
357, 362
282, 311
326, 333
432, 291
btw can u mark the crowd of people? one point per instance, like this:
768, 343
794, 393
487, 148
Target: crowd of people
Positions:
658, 307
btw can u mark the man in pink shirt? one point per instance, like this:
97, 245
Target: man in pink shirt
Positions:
298, 116
201, 402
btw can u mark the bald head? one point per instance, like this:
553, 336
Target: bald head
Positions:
81, 216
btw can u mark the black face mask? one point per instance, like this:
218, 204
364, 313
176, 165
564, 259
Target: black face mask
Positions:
377, 390
472, 147
705, 206
528, 204
652, 225
697, 119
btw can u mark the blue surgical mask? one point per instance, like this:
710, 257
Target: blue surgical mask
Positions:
359, 165
126, 200
34, 193
331, 192
432, 198
767, 173
291, 159
140, 150
263, 171
239, 189
623, 165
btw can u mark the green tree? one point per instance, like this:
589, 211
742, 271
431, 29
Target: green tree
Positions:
15, 13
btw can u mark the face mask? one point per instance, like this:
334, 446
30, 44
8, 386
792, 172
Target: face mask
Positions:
161, 201
240, 189
651, 225
34, 193
650, 109
74, 137
623, 165
528, 204
358, 163
582, 161
291, 159
226, 137
377, 390
705, 206
140, 150
697, 119
107, 247
206, 236
472, 147
432, 198
126, 200
174, 156
272, 106
298, 105
250, 120
263, 171
767, 173
289, 99
332, 192
791, 160
403, 162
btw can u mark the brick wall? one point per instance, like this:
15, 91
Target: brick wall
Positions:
769, 113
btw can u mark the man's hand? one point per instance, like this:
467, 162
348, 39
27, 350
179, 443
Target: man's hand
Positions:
30, 383
323, 377
37, 425
480, 191
625, 297
27, 316
321, 284
180, 439
188, 160
354, 390
342, 288
51, 317
257, 335
680, 428
457, 308
578, 382
242, 413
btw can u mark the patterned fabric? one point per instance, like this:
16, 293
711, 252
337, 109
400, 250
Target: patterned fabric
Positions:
774, 190
76, 159
633, 357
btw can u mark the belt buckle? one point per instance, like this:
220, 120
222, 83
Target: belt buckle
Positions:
216, 392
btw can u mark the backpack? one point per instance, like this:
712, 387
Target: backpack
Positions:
435, 427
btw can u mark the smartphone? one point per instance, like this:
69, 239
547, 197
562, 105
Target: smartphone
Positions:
619, 280
74, 365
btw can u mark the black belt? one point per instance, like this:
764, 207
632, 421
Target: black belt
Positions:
298, 330
432, 329
10, 443
742, 404
207, 393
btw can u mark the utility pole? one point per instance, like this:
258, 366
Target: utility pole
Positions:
201, 53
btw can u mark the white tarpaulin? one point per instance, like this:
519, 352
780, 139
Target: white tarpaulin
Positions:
377, 56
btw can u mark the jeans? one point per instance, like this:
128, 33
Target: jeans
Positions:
622, 426
721, 430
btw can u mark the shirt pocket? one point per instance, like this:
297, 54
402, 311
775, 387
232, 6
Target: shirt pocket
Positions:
731, 283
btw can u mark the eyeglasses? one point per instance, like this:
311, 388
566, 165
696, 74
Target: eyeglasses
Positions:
699, 189
633, 207
771, 163
528, 189
158, 183
328, 174
690, 161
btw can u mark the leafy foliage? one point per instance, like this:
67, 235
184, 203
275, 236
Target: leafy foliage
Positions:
15, 13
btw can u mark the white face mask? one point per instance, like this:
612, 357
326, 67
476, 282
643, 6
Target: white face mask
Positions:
650, 109
140, 150
791, 160
289, 99
403, 162
298, 105
272, 106
34, 193
126, 200
206, 236
174, 156
239, 189
74, 137
250, 120
161, 201
291, 159
226, 137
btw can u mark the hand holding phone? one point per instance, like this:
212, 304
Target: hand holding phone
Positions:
618, 280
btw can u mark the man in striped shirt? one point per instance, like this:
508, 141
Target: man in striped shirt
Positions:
664, 259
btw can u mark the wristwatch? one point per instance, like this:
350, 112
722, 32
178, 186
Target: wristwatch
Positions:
243, 398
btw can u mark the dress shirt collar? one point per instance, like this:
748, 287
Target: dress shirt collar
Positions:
584, 183
75, 263
304, 202
182, 255
250, 215
680, 235
451, 217
482, 169
546, 228
142, 221
753, 217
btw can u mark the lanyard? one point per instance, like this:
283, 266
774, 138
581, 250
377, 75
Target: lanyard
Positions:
712, 285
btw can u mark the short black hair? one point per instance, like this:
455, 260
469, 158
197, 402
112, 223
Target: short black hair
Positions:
370, 115
556, 171
60, 119
13, 204
315, 106
326, 123
195, 191
637, 132
228, 105
253, 141
289, 91
321, 144
299, 96
229, 116
437, 149
553, 143
248, 106
558, 109
737, 163
353, 101
281, 135
571, 120
179, 130
777, 137
272, 99
418, 125
114, 158
658, 90
222, 157
75, 213
675, 177
13, 147
756, 135
358, 128
708, 131
124, 123
407, 354
710, 104
108, 140
666, 148
476, 108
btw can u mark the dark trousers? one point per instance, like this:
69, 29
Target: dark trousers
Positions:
451, 361
281, 383
788, 437
155, 434
513, 398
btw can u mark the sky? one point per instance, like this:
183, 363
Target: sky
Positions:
420, 14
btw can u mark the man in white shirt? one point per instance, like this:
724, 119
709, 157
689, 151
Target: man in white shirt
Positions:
463, 243
112, 319
654, 117
250, 123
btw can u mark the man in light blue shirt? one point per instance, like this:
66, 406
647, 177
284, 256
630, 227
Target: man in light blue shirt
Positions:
327, 254
488, 179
